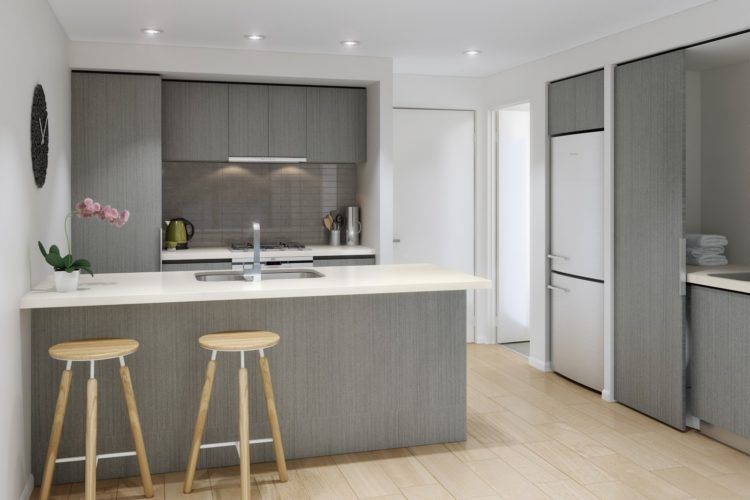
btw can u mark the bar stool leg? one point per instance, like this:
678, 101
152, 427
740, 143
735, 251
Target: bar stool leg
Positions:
57, 426
244, 420
91, 408
273, 418
200, 424
135, 428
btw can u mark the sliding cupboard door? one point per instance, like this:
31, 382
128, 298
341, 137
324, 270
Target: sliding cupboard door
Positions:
649, 217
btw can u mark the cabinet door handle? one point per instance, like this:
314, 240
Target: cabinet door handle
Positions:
558, 257
397, 240
557, 289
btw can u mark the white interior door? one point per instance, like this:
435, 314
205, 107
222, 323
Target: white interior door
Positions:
433, 188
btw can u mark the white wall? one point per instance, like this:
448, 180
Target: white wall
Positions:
33, 49
375, 73
725, 158
528, 82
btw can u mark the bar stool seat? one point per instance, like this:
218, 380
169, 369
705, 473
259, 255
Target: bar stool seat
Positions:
239, 341
93, 349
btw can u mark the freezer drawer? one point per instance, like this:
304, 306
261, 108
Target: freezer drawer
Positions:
577, 329
577, 205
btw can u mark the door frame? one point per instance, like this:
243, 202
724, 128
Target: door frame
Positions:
471, 334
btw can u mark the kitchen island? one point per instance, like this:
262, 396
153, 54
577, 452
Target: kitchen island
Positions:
371, 357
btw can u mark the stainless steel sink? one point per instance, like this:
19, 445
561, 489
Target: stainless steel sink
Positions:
272, 274
732, 276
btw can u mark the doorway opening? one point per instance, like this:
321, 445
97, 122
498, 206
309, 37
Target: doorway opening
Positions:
511, 129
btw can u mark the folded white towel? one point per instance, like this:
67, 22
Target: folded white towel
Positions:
697, 252
707, 260
706, 240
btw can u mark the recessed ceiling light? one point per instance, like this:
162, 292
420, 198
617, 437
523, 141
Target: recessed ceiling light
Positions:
472, 52
349, 43
152, 31
255, 37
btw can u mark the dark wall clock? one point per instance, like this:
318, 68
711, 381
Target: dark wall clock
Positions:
39, 136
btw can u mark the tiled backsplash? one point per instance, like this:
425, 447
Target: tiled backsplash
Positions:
289, 201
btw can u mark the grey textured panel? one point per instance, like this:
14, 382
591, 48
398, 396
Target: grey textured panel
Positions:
649, 216
287, 116
589, 101
353, 261
720, 350
195, 121
352, 373
576, 104
116, 160
288, 200
561, 107
248, 120
195, 266
336, 125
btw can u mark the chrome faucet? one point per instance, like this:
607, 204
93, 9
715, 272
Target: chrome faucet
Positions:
252, 272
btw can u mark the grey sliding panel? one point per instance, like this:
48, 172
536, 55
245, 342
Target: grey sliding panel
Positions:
248, 120
561, 107
195, 121
287, 118
116, 160
336, 125
719, 371
589, 90
649, 213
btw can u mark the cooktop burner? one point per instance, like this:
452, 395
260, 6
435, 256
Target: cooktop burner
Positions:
279, 245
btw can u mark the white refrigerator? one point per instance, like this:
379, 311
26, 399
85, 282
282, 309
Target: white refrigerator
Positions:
577, 257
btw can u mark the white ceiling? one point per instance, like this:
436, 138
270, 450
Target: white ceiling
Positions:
422, 36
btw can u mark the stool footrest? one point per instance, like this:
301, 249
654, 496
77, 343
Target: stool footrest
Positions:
98, 457
234, 443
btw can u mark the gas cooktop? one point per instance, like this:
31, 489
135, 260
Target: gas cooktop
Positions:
279, 245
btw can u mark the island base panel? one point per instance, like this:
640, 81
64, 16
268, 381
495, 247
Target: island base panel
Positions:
351, 373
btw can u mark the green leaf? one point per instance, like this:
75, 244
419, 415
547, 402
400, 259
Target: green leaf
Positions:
87, 269
54, 250
68, 261
55, 261
81, 263
41, 249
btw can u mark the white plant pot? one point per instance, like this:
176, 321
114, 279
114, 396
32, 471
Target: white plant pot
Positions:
66, 282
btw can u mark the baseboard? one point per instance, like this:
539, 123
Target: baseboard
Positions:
28, 489
544, 366
607, 396
693, 422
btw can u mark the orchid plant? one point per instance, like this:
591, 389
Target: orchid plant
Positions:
86, 209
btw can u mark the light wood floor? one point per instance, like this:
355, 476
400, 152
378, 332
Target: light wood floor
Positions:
531, 435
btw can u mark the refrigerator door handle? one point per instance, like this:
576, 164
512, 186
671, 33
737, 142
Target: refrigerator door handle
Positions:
683, 266
557, 289
553, 257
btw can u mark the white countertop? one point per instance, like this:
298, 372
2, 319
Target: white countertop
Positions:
222, 253
181, 286
701, 275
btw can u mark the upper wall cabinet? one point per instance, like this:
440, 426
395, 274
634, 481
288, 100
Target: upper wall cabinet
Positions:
336, 125
248, 120
287, 121
576, 104
195, 121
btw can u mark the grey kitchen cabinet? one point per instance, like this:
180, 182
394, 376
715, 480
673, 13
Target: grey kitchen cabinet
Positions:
287, 121
248, 120
649, 193
336, 125
225, 265
576, 104
116, 160
720, 349
364, 260
195, 121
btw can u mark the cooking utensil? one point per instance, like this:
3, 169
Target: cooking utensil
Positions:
328, 222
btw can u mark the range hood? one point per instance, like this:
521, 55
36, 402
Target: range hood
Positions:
266, 159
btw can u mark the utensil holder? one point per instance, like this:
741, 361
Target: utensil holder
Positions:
335, 237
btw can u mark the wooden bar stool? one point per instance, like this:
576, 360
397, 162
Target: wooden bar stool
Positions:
91, 351
238, 342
